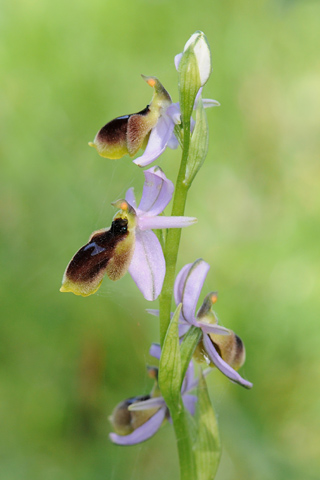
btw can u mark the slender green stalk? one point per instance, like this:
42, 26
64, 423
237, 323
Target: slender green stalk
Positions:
178, 413
173, 239
184, 444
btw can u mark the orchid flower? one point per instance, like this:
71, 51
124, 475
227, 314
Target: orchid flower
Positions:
219, 345
129, 244
137, 419
153, 127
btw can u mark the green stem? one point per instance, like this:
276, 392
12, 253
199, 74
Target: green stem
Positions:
177, 412
184, 444
173, 239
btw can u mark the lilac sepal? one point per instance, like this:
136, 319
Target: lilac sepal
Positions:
179, 283
188, 379
222, 365
147, 404
209, 102
131, 198
210, 328
155, 313
192, 288
173, 142
151, 223
143, 432
177, 60
147, 266
174, 112
159, 137
157, 192
183, 328
155, 350
189, 402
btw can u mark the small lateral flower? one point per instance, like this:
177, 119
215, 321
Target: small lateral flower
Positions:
139, 418
218, 346
129, 244
127, 134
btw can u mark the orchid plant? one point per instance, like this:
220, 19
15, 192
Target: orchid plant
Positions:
146, 243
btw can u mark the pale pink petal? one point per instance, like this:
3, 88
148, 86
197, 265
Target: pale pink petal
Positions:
177, 60
208, 103
211, 328
174, 112
155, 350
159, 137
142, 433
173, 142
147, 266
130, 198
157, 192
151, 223
180, 281
192, 288
222, 365
188, 379
189, 402
147, 404
183, 328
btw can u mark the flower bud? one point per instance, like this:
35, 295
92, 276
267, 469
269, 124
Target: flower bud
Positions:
125, 421
199, 45
127, 134
109, 251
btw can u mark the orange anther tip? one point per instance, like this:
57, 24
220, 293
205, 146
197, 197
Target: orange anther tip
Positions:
151, 82
124, 206
214, 298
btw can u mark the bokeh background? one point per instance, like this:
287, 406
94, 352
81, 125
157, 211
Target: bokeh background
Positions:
66, 68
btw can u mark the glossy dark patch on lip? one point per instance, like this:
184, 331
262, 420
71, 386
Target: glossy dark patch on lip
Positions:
115, 132
95, 255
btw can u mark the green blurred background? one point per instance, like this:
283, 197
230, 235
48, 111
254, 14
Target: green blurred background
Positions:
66, 68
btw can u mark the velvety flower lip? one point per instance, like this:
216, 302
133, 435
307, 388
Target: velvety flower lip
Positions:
128, 133
147, 266
187, 288
153, 424
129, 244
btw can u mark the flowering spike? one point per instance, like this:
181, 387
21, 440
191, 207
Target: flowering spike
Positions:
128, 133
